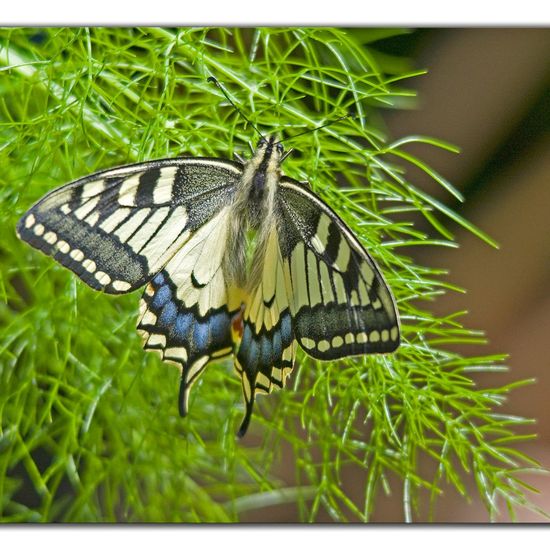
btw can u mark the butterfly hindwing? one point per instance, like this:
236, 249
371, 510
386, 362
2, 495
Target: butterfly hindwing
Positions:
266, 353
116, 228
187, 308
342, 305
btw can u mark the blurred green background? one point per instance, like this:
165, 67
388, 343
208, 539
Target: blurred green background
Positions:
488, 91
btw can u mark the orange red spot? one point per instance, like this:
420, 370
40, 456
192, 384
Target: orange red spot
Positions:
237, 326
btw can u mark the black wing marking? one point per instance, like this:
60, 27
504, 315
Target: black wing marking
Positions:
116, 228
342, 305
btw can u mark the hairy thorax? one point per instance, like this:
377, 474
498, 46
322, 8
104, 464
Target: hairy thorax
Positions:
253, 216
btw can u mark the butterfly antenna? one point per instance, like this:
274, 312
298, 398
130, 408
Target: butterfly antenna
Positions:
318, 127
215, 81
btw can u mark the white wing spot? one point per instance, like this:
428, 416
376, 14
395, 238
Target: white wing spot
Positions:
344, 254
393, 333
363, 294
157, 340
102, 277
362, 338
77, 255
367, 273
89, 265
349, 338
63, 246
131, 224
325, 283
39, 230
149, 290
121, 286
385, 335
178, 354
50, 237
169, 238
143, 235
337, 341
319, 240
116, 218
374, 336
307, 343
66, 209
341, 295
314, 278
149, 318
323, 346
30, 221
298, 268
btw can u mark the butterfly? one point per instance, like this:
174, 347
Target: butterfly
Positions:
236, 260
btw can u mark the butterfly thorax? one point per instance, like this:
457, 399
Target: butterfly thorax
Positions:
255, 199
253, 212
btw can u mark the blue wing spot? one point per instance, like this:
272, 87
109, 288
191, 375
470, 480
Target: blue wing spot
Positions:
219, 326
253, 355
277, 346
162, 295
159, 279
249, 351
286, 330
247, 337
266, 353
168, 315
201, 336
182, 326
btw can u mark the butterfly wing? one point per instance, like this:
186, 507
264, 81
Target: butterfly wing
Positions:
316, 286
266, 352
341, 304
116, 228
187, 309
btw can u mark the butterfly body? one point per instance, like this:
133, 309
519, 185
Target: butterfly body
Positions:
236, 259
252, 213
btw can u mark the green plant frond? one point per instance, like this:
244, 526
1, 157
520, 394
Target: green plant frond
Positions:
88, 423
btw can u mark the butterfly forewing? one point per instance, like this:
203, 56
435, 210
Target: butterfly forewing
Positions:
342, 305
117, 228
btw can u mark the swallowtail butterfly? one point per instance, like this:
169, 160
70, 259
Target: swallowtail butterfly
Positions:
236, 259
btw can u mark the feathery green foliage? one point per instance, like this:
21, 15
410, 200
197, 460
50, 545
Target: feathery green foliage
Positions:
89, 424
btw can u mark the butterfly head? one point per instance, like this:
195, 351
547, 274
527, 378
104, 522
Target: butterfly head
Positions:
269, 146
268, 154
271, 151
263, 170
